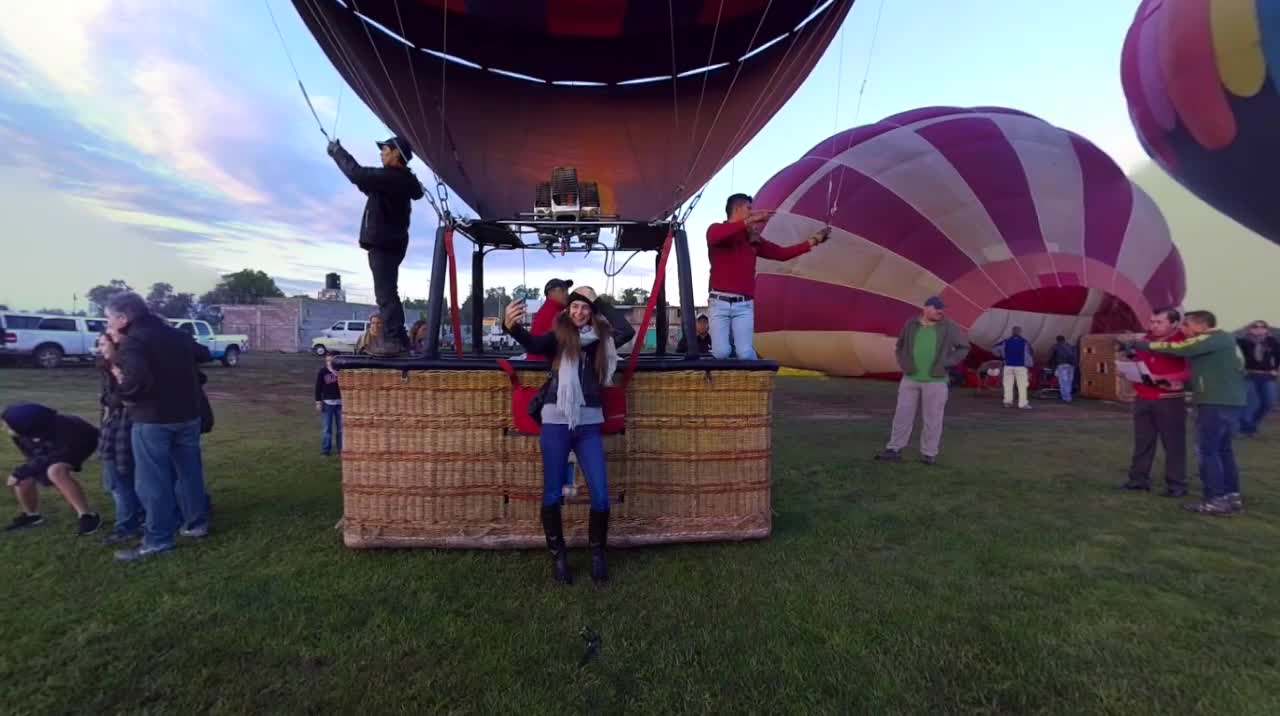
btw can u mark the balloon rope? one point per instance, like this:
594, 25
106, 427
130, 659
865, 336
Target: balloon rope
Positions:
835, 126
289, 55
866, 73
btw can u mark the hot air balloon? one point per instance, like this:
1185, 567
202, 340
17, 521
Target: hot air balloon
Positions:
1201, 80
1013, 221
646, 99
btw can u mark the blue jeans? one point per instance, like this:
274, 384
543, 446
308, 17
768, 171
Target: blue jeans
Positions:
587, 442
170, 479
330, 427
732, 325
1219, 473
1066, 374
1260, 389
119, 483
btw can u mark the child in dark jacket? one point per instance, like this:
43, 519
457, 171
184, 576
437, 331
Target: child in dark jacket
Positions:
115, 451
54, 446
329, 406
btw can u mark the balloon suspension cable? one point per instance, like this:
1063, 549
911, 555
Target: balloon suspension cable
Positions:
288, 55
835, 129
337, 114
857, 109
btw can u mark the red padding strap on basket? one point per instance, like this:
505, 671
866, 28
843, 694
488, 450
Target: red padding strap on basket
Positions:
455, 315
649, 307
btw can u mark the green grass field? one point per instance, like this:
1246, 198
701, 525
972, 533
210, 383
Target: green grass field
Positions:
1011, 578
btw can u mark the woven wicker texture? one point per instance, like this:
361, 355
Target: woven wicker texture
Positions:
431, 460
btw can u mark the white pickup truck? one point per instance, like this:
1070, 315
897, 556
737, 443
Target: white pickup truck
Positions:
225, 348
48, 339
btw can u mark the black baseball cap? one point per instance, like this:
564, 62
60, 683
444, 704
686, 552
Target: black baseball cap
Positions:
555, 283
935, 302
406, 149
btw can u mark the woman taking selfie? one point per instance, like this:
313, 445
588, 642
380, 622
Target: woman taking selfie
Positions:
583, 346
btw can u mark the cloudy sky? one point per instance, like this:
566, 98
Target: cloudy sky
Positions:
163, 140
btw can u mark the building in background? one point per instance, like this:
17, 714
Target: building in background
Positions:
332, 290
289, 324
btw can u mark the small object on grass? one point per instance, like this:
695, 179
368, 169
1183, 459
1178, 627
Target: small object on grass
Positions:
592, 648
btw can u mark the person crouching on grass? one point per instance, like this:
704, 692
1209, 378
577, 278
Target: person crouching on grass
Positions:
115, 449
54, 446
329, 406
583, 347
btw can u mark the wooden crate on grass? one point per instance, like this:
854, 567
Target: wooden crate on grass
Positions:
1098, 378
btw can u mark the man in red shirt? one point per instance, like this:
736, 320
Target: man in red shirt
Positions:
732, 248
557, 295
1160, 412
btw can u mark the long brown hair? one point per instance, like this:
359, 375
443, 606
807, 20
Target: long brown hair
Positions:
104, 363
567, 341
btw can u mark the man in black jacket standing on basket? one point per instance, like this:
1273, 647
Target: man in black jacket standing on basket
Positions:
384, 230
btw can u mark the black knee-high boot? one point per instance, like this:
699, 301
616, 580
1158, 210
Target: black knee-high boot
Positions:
598, 539
551, 526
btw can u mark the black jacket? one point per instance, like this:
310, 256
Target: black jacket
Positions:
547, 345
386, 213
1063, 354
1270, 359
161, 382
704, 344
327, 385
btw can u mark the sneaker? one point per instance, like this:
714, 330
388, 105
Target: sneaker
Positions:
1133, 486
1217, 507
1025, 407
929, 459
1236, 502
887, 455
23, 521
88, 524
119, 537
195, 532
141, 552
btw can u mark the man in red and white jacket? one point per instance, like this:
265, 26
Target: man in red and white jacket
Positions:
1160, 412
556, 295
732, 248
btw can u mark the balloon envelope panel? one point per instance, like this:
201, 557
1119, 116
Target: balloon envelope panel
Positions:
646, 98
1003, 215
1201, 79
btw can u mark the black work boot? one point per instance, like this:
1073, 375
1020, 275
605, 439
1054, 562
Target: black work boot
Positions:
598, 539
551, 526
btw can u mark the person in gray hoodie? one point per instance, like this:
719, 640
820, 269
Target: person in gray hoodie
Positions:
928, 347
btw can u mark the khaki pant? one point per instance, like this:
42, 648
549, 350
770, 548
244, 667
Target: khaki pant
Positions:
1020, 376
931, 398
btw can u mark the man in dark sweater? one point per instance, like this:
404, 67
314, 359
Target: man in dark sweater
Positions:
160, 383
732, 248
1217, 370
329, 405
1261, 365
384, 231
703, 336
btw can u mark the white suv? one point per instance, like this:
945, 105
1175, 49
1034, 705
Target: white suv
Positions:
47, 340
341, 337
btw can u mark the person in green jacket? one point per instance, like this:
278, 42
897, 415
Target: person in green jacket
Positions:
1217, 384
928, 347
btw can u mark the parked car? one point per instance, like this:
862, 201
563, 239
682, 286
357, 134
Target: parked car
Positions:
341, 337
48, 340
224, 347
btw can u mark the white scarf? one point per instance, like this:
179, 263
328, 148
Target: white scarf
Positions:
569, 396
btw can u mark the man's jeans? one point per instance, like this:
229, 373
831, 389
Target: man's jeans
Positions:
1066, 375
1218, 471
1260, 388
129, 513
736, 319
170, 479
384, 264
330, 428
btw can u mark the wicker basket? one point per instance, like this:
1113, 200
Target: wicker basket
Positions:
431, 460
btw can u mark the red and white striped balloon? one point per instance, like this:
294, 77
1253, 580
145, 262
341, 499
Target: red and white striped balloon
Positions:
1013, 221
